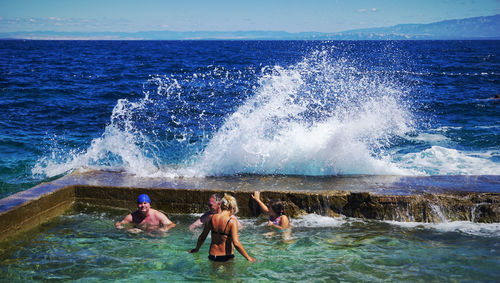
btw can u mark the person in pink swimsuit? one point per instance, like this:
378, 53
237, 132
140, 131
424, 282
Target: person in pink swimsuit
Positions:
277, 217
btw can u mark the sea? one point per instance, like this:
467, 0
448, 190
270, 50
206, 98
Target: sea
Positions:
220, 111
182, 109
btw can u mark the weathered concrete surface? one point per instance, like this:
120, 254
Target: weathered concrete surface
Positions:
379, 185
30, 208
477, 207
377, 197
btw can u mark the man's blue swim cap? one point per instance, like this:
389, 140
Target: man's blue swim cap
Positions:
143, 198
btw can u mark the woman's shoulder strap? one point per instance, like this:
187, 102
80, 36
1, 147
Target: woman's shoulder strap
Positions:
229, 220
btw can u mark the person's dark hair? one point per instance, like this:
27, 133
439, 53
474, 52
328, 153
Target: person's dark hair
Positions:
277, 206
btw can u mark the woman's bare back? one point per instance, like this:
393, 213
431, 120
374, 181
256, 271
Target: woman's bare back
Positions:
222, 243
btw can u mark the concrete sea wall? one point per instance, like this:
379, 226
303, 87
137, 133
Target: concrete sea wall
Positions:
476, 207
30, 208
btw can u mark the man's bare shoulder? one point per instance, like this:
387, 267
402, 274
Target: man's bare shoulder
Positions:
205, 217
158, 213
154, 211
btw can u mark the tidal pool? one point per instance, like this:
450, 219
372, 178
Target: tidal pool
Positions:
83, 245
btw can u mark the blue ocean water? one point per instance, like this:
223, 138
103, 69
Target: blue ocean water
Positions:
216, 108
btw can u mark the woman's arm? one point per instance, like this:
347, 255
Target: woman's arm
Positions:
236, 241
256, 197
283, 223
201, 238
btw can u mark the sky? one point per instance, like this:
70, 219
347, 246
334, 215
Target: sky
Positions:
231, 15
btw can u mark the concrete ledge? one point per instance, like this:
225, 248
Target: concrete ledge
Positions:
194, 200
30, 208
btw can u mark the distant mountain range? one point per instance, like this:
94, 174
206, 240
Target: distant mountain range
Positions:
470, 28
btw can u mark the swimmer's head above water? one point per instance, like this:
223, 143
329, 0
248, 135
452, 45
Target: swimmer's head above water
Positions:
146, 218
276, 207
228, 202
143, 198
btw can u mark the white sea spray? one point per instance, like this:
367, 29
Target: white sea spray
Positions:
324, 115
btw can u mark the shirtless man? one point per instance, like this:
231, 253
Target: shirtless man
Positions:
146, 218
214, 208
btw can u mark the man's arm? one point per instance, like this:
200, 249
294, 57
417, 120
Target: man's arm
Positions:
165, 222
126, 220
195, 224
200, 221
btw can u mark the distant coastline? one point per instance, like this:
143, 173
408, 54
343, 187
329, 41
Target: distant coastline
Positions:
477, 28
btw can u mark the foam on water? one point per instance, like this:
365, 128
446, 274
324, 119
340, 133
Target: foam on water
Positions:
315, 220
466, 227
310, 220
438, 160
322, 116
430, 138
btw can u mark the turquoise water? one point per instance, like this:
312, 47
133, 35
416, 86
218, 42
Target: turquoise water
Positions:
84, 246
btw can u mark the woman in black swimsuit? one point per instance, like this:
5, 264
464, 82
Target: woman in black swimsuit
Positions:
224, 229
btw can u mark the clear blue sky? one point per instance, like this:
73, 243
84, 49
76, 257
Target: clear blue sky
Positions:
231, 15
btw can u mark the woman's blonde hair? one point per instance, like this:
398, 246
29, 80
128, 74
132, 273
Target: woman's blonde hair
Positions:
229, 202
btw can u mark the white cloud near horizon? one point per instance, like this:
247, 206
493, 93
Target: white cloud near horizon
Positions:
364, 10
